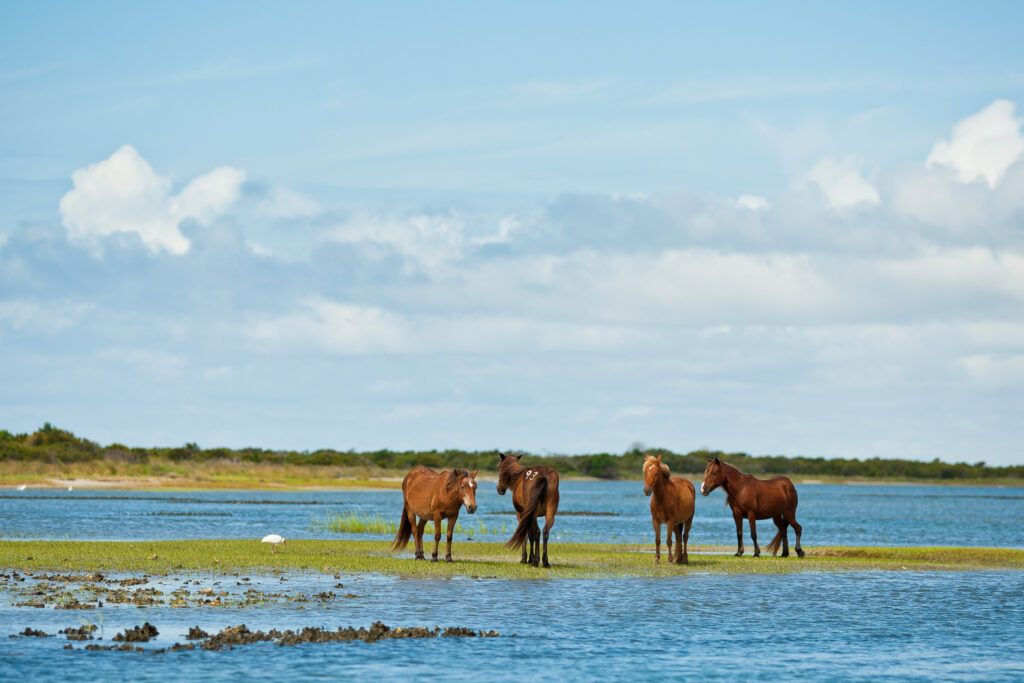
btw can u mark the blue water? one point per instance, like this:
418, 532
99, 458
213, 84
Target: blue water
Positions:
881, 515
855, 626
839, 626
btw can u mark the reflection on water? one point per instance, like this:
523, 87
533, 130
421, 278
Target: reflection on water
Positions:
615, 512
859, 625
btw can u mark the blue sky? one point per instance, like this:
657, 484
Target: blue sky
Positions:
785, 228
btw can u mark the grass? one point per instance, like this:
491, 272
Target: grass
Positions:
473, 559
358, 522
216, 475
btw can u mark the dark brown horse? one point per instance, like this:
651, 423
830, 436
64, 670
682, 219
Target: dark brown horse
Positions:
433, 496
755, 499
672, 500
534, 494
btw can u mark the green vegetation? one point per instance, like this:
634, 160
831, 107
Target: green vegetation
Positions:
56, 453
474, 559
358, 522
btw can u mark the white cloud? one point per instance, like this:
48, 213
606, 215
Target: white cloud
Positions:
24, 315
995, 370
982, 146
348, 329
124, 194
432, 241
752, 202
842, 183
280, 202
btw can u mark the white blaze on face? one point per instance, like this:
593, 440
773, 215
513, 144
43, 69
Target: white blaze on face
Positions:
702, 489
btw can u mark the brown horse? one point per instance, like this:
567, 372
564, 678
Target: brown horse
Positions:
434, 496
534, 493
755, 499
672, 500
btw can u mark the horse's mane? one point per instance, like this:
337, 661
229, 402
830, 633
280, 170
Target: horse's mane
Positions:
510, 466
454, 475
664, 468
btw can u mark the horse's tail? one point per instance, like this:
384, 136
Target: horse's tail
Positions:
404, 530
529, 515
773, 547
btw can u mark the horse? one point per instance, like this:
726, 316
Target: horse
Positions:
672, 500
431, 495
534, 493
755, 499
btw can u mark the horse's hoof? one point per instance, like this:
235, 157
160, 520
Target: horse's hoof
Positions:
523, 562
785, 554
739, 554
757, 553
433, 558
420, 557
448, 558
799, 553
683, 560
546, 565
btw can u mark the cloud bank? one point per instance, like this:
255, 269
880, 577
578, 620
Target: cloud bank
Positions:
867, 310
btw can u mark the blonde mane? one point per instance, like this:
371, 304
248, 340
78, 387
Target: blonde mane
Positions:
651, 460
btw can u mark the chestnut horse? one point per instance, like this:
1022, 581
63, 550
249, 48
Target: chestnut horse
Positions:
433, 496
534, 493
755, 499
672, 500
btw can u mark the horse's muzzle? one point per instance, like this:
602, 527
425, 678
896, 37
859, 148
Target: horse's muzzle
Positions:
704, 491
647, 491
471, 509
501, 491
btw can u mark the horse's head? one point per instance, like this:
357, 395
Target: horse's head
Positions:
714, 475
504, 471
653, 468
464, 484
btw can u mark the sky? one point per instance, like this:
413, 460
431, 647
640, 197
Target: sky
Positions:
787, 228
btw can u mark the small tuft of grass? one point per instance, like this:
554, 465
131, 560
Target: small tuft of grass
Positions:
358, 522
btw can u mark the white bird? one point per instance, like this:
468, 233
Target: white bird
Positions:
22, 487
273, 540
70, 489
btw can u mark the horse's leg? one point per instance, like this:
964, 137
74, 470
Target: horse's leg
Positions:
739, 532
437, 535
549, 521
451, 530
419, 537
686, 540
657, 540
781, 524
535, 544
752, 518
797, 529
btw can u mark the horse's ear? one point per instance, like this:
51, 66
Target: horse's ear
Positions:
473, 474
658, 459
716, 459
501, 455
709, 459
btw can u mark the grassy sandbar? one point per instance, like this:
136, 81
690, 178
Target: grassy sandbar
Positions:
473, 559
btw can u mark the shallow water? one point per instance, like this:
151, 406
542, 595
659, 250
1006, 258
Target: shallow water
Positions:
882, 515
857, 625
897, 625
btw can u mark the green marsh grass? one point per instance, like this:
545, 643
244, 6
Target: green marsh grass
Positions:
474, 559
358, 522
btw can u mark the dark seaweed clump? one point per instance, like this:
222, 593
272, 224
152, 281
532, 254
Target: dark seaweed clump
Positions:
233, 636
139, 634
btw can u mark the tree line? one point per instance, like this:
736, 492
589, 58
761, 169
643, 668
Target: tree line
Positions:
50, 444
